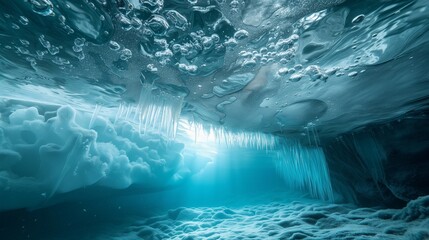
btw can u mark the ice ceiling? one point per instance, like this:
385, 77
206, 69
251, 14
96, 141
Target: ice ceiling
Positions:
271, 66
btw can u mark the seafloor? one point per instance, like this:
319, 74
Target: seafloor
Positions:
304, 219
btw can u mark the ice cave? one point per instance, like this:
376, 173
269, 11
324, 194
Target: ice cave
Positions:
214, 119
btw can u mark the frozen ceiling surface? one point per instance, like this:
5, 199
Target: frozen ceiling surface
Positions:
273, 66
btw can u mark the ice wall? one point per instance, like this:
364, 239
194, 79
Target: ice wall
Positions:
384, 163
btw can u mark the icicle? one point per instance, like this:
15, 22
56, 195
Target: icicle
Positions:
221, 136
93, 116
155, 112
305, 168
118, 113
372, 154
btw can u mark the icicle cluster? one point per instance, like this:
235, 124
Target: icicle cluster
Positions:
205, 133
155, 112
305, 168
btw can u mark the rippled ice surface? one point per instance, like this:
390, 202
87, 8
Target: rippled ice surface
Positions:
272, 66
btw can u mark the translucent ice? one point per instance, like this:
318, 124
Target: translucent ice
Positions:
305, 168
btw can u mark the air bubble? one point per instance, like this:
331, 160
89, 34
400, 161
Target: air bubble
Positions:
152, 6
250, 63
79, 42
32, 61
62, 19
77, 48
158, 24
40, 54
152, 68
241, 34
114, 46
283, 71
23, 20
68, 29
136, 23
295, 77
190, 69
124, 21
53, 50
231, 43
80, 56
178, 20
314, 72
234, 4
207, 42
45, 43
125, 54
353, 74
298, 67
42, 7
22, 50
60, 61
358, 19
24, 42
215, 38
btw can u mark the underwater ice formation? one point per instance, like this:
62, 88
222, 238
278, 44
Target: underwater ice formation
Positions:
53, 152
42, 156
305, 168
212, 135
242, 73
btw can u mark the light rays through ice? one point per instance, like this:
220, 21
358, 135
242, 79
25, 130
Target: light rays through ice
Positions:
301, 167
209, 134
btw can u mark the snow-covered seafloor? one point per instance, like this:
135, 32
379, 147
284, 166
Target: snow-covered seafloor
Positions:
277, 220
262, 219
